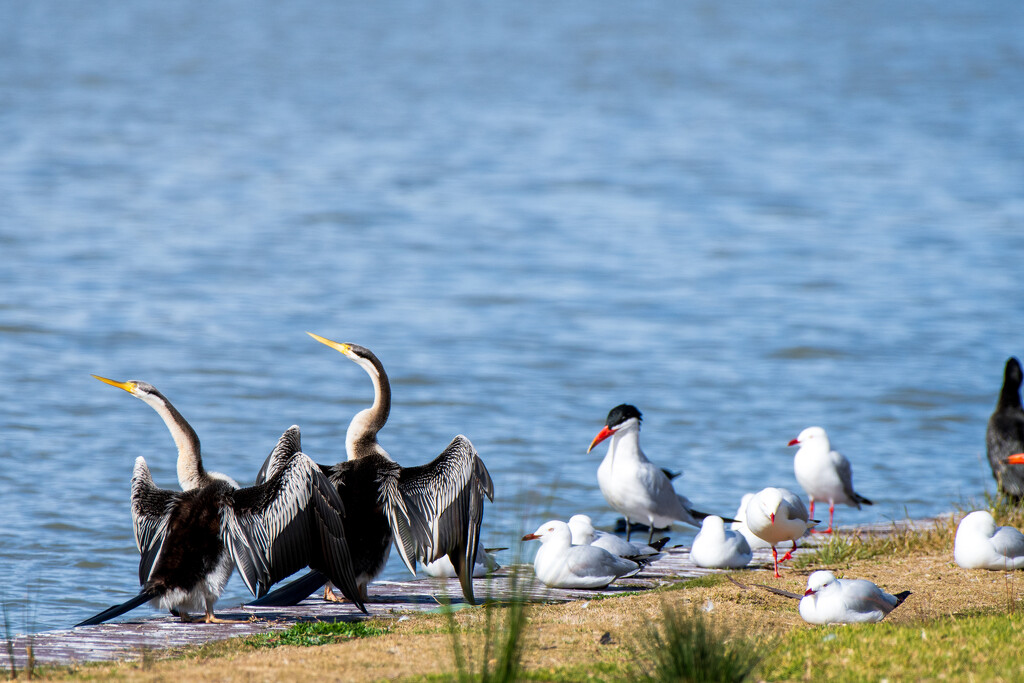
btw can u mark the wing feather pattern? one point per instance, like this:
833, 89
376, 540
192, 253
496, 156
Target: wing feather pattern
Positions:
151, 508
448, 493
291, 520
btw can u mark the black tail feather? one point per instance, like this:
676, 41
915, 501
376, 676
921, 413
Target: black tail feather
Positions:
901, 596
861, 500
660, 543
701, 515
118, 610
292, 593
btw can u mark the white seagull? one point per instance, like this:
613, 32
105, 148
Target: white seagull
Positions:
719, 548
824, 474
584, 533
829, 600
740, 525
485, 564
559, 564
631, 484
778, 515
980, 544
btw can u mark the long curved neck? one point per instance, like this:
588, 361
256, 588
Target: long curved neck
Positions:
191, 474
1009, 395
361, 437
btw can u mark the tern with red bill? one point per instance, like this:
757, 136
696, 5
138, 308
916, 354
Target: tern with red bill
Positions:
980, 544
823, 473
1004, 436
560, 564
776, 516
829, 600
632, 484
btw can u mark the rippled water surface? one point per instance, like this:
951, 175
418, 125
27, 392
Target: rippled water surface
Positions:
743, 221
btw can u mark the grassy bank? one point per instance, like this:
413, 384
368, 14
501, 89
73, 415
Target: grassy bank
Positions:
957, 625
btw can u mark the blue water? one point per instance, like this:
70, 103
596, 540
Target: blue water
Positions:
743, 219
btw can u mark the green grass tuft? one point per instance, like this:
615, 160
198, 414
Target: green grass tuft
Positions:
313, 633
706, 581
689, 646
504, 638
838, 551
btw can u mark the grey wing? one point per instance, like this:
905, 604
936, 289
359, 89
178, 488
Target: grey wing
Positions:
289, 443
151, 507
292, 520
845, 472
863, 596
796, 505
446, 496
588, 561
1008, 542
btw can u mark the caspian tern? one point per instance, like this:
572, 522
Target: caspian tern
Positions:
631, 484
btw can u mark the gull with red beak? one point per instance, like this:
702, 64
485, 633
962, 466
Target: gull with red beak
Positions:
829, 600
824, 474
560, 564
631, 484
776, 516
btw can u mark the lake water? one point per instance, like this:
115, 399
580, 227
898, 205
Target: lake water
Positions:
744, 219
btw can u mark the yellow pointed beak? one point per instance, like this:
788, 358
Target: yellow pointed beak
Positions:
337, 346
127, 386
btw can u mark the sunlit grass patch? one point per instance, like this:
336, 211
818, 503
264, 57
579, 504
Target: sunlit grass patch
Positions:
313, 633
706, 581
838, 551
902, 539
980, 647
688, 645
499, 659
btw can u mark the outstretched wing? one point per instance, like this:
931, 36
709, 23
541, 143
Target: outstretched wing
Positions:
448, 494
289, 443
151, 508
292, 520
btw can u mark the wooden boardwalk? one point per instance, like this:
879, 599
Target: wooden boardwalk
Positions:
132, 638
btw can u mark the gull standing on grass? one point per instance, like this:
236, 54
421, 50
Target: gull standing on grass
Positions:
559, 564
631, 484
716, 547
980, 544
778, 515
829, 600
823, 473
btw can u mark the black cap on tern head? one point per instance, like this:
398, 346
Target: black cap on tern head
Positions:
621, 413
